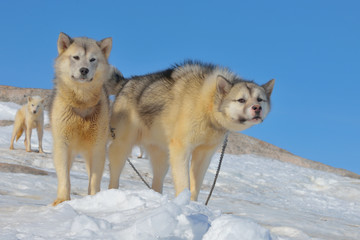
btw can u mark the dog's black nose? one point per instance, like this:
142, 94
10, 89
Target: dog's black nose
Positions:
257, 108
84, 71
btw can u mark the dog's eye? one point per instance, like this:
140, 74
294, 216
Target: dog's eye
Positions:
76, 57
261, 100
32, 104
241, 100
92, 60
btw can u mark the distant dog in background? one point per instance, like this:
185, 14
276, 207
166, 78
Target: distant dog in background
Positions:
28, 117
179, 114
80, 110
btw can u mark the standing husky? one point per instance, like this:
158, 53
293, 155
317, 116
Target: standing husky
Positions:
29, 116
182, 113
80, 109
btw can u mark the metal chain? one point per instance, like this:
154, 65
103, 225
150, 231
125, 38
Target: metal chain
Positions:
218, 169
138, 173
216, 175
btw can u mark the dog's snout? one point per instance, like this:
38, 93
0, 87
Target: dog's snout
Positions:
257, 108
84, 71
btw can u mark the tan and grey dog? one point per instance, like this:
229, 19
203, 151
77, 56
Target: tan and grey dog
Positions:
28, 117
180, 114
79, 110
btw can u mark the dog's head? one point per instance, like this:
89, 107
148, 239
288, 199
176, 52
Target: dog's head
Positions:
35, 104
82, 59
243, 104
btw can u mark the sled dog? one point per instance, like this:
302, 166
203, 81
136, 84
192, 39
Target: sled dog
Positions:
181, 113
80, 111
29, 116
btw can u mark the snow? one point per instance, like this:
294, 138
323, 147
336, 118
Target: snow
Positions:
255, 198
8, 110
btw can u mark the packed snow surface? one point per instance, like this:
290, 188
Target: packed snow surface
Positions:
255, 198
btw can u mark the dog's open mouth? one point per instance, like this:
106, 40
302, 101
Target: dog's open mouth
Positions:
256, 118
82, 79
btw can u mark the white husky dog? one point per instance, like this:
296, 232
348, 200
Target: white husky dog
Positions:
29, 116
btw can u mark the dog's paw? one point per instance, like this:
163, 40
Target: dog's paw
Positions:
58, 201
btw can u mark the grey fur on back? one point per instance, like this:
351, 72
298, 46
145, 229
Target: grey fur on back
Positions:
151, 92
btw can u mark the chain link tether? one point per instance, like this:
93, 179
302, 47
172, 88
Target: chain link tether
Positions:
218, 169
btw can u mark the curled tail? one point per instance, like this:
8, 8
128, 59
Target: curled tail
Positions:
115, 81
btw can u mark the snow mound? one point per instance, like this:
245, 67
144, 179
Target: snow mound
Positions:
114, 214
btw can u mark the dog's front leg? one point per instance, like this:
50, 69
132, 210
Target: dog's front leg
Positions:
179, 155
95, 161
28, 139
40, 137
200, 161
62, 161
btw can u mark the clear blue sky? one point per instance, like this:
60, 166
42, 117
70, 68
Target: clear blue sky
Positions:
311, 48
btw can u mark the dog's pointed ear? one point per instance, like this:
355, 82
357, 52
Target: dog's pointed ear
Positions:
269, 86
64, 41
223, 85
105, 46
29, 98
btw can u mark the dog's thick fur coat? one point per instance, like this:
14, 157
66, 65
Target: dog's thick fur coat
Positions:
180, 114
80, 109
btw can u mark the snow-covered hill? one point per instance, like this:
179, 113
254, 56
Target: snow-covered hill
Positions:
255, 198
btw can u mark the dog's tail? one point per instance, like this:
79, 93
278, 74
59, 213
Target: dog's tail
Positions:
115, 82
19, 133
